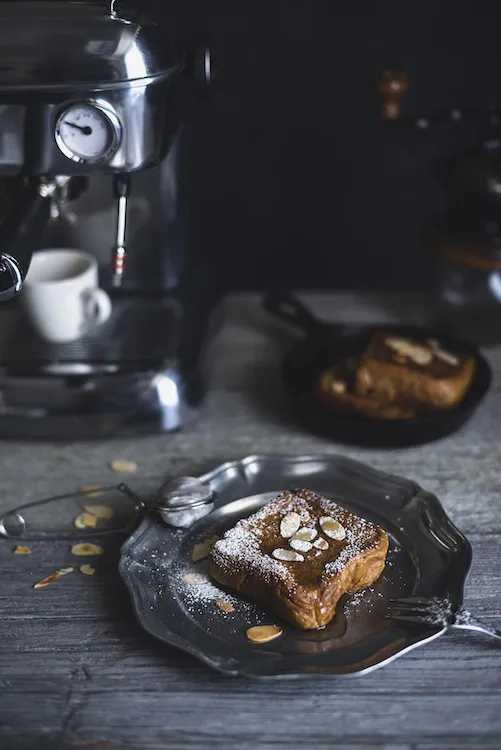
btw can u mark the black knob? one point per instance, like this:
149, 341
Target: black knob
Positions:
11, 280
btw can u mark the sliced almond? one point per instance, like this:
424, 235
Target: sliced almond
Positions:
122, 465
22, 550
224, 606
87, 570
332, 528
52, 578
100, 511
446, 357
263, 633
86, 550
85, 521
290, 524
321, 543
202, 550
300, 545
305, 534
92, 490
288, 555
195, 579
419, 354
338, 387
47, 581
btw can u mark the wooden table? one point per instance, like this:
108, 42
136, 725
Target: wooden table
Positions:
76, 670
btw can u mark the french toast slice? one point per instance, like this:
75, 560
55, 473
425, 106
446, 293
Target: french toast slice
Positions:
276, 557
416, 373
333, 390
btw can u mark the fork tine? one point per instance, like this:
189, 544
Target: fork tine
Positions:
411, 601
415, 619
410, 608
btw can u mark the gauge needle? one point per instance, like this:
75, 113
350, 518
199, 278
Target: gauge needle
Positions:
86, 130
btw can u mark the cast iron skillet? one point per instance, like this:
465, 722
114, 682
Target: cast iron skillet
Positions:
327, 343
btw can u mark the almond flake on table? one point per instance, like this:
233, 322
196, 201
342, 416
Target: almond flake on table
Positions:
123, 465
52, 578
86, 549
87, 570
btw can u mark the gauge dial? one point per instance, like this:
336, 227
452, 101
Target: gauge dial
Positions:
87, 132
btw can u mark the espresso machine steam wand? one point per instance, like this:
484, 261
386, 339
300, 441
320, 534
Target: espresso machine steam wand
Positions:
91, 90
122, 189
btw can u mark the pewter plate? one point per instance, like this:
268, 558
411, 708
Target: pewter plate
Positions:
428, 557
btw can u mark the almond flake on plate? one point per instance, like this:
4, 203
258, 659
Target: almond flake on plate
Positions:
195, 579
300, 545
290, 524
22, 550
332, 528
100, 511
122, 465
84, 550
321, 543
202, 550
287, 554
87, 570
263, 633
305, 534
224, 606
85, 521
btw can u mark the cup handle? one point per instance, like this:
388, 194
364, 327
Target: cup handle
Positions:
98, 306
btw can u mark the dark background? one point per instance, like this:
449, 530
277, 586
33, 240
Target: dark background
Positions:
293, 179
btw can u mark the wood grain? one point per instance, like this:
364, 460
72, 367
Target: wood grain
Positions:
76, 670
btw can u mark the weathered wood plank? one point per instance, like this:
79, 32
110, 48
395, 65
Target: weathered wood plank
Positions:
76, 670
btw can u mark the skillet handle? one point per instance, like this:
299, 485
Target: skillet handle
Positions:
284, 305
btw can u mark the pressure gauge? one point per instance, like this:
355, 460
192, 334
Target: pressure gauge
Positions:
88, 132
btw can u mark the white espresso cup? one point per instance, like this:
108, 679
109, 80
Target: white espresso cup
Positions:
61, 295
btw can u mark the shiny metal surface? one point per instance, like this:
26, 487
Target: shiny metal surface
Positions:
428, 557
116, 69
56, 55
73, 45
109, 121
183, 501
11, 277
180, 502
417, 610
126, 378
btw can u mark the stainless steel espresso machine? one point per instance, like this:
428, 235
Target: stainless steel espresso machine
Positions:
92, 101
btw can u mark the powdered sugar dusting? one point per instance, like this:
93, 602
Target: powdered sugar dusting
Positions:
356, 543
240, 547
243, 545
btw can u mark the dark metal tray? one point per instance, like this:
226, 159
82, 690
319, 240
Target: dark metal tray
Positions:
428, 557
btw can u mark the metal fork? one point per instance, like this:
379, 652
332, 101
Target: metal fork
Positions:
422, 611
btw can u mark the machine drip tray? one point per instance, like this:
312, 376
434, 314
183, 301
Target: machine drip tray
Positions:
140, 334
123, 379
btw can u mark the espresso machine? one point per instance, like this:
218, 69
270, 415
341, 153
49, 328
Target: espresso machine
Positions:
93, 96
